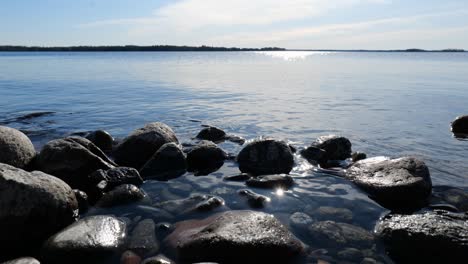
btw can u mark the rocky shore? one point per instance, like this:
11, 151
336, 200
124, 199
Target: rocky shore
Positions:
85, 200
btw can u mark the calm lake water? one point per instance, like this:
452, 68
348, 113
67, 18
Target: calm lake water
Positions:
387, 104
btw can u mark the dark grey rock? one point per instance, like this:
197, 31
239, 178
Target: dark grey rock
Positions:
266, 156
102, 139
72, 159
330, 234
300, 221
336, 148
205, 157
211, 133
460, 125
116, 177
143, 239
25, 260
271, 181
33, 206
16, 149
234, 237
136, 149
238, 177
130, 257
159, 259
254, 199
82, 199
402, 184
123, 194
93, 239
194, 203
333, 213
167, 163
410, 238
314, 155
357, 156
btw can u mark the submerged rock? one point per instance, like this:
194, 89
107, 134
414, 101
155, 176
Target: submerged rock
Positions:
336, 148
450, 195
102, 139
460, 125
123, 194
25, 260
205, 157
167, 163
254, 199
33, 206
330, 234
300, 221
143, 239
234, 237
411, 238
72, 159
136, 149
116, 177
94, 239
402, 184
238, 177
333, 213
271, 181
16, 149
211, 133
194, 203
266, 156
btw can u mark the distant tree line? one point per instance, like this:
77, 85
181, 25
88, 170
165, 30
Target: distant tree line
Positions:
134, 48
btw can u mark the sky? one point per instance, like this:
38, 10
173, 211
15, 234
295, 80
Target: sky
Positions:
293, 24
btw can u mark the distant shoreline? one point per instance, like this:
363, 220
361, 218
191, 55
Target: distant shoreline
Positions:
168, 48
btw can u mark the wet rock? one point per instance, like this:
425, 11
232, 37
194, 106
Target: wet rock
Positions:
330, 234
143, 239
72, 159
135, 150
16, 149
123, 194
234, 237
333, 213
460, 125
450, 195
357, 156
314, 155
271, 181
206, 156
254, 199
25, 260
211, 133
159, 259
300, 221
116, 177
129, 257
167, 163
409, 238
93, 239
368, 261
351, 254
266, 156
336, 148
235, 139
33, 206
154, 213
238, 177
102, 139
402, 184
82, 199
194, 203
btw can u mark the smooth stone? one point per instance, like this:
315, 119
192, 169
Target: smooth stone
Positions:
116, 177
460, 125
402, 184
16, 149
211, 133
94, 239
271, 181
314, 155
411, 238
194, 203
238, 177
72, 159
336, 148
129, 257
266, 156
254, 199
121, 195
24, 260
330, 234
143, 239
206, 156
333, 213
136, 149
82, 199
167, 163
33, 206
357, 156
234, 237
300, 221
102, 139
159, 259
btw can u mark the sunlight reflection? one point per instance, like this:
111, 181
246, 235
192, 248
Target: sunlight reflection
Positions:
279, 192
292, 55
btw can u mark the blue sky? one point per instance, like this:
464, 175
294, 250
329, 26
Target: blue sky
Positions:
314, 24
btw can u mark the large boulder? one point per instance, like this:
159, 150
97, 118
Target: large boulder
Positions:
135, 150
33, 206
234, 237
428, 237
167, 163
266, 156
94, 239
335, 147
402, 184
16, 149
205, 157
460, 125
72, 159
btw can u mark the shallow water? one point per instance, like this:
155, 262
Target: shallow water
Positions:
387, 104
